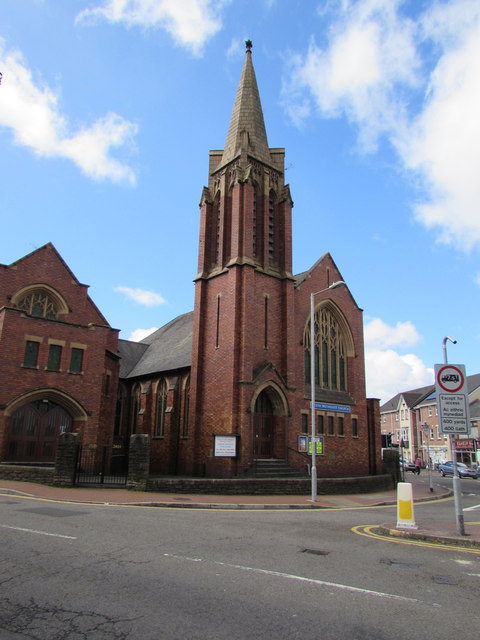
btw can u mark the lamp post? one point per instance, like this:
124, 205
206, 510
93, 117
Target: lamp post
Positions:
313, 471
426, 428
457, 496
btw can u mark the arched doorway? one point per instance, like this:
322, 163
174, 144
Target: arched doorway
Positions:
268, 424
34, 430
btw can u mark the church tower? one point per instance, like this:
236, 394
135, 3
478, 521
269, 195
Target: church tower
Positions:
242, 365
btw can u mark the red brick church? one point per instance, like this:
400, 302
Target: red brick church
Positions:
216, 389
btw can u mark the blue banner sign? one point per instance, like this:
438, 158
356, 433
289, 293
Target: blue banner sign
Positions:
339, 408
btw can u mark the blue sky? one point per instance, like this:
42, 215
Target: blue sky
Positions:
108, 109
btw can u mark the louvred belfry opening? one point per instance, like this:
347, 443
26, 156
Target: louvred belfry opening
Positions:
246, 208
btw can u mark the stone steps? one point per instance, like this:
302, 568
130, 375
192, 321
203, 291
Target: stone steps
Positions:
274, 468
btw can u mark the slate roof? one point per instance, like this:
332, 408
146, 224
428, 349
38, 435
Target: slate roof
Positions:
411, 398
130, 353
168, 348
475, 410
423, 395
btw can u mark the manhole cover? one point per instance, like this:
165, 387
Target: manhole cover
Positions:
445, 580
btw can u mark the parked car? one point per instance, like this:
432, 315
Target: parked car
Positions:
446, 469
407, 466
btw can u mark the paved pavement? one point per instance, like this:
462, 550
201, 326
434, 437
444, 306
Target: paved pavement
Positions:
438, 532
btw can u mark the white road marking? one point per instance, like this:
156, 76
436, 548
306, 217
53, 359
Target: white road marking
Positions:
41, 533
289, 576
474, 508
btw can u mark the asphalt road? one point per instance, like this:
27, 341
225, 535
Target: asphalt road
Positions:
72, 572
470, 486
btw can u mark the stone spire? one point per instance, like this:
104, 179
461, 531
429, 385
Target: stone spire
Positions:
246, 133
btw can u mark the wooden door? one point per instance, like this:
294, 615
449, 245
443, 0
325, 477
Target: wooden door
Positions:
34, 431
263, 431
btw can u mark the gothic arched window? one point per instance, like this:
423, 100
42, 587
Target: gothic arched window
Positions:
120, 409
330, 351
135, 408
39, 304
186, 406
40, 301
161, 408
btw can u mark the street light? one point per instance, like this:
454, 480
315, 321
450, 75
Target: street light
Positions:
457, 495
313, 471
444, 347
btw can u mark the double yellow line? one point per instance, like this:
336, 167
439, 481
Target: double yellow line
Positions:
369, 531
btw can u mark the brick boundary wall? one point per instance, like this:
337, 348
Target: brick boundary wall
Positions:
138, 462
66, 460
391, 464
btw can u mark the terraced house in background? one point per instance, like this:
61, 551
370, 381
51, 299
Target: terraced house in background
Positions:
410, 420
217, 389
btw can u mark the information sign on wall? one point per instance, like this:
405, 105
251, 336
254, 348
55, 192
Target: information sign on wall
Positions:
225, 446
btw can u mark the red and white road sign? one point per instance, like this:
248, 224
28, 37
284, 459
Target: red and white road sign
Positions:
452, 398
450, 378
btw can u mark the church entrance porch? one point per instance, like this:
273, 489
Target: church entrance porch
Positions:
269, 425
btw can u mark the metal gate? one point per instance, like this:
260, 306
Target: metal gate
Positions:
97, 467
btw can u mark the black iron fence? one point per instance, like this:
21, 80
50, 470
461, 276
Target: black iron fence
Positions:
99, 467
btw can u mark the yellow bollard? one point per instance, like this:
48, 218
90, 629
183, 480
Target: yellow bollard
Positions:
405, 517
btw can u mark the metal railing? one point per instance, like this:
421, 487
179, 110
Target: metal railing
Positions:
94, 466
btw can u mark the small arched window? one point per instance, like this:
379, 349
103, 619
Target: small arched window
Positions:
330, 351
161, 409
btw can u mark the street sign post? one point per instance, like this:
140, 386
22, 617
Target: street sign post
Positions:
452, 398
452, 402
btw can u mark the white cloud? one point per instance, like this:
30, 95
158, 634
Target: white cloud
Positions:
140, 334
142, 297
33, 114
417, 84
370, 51
443, 145
189, 22
378, 334
387, 371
